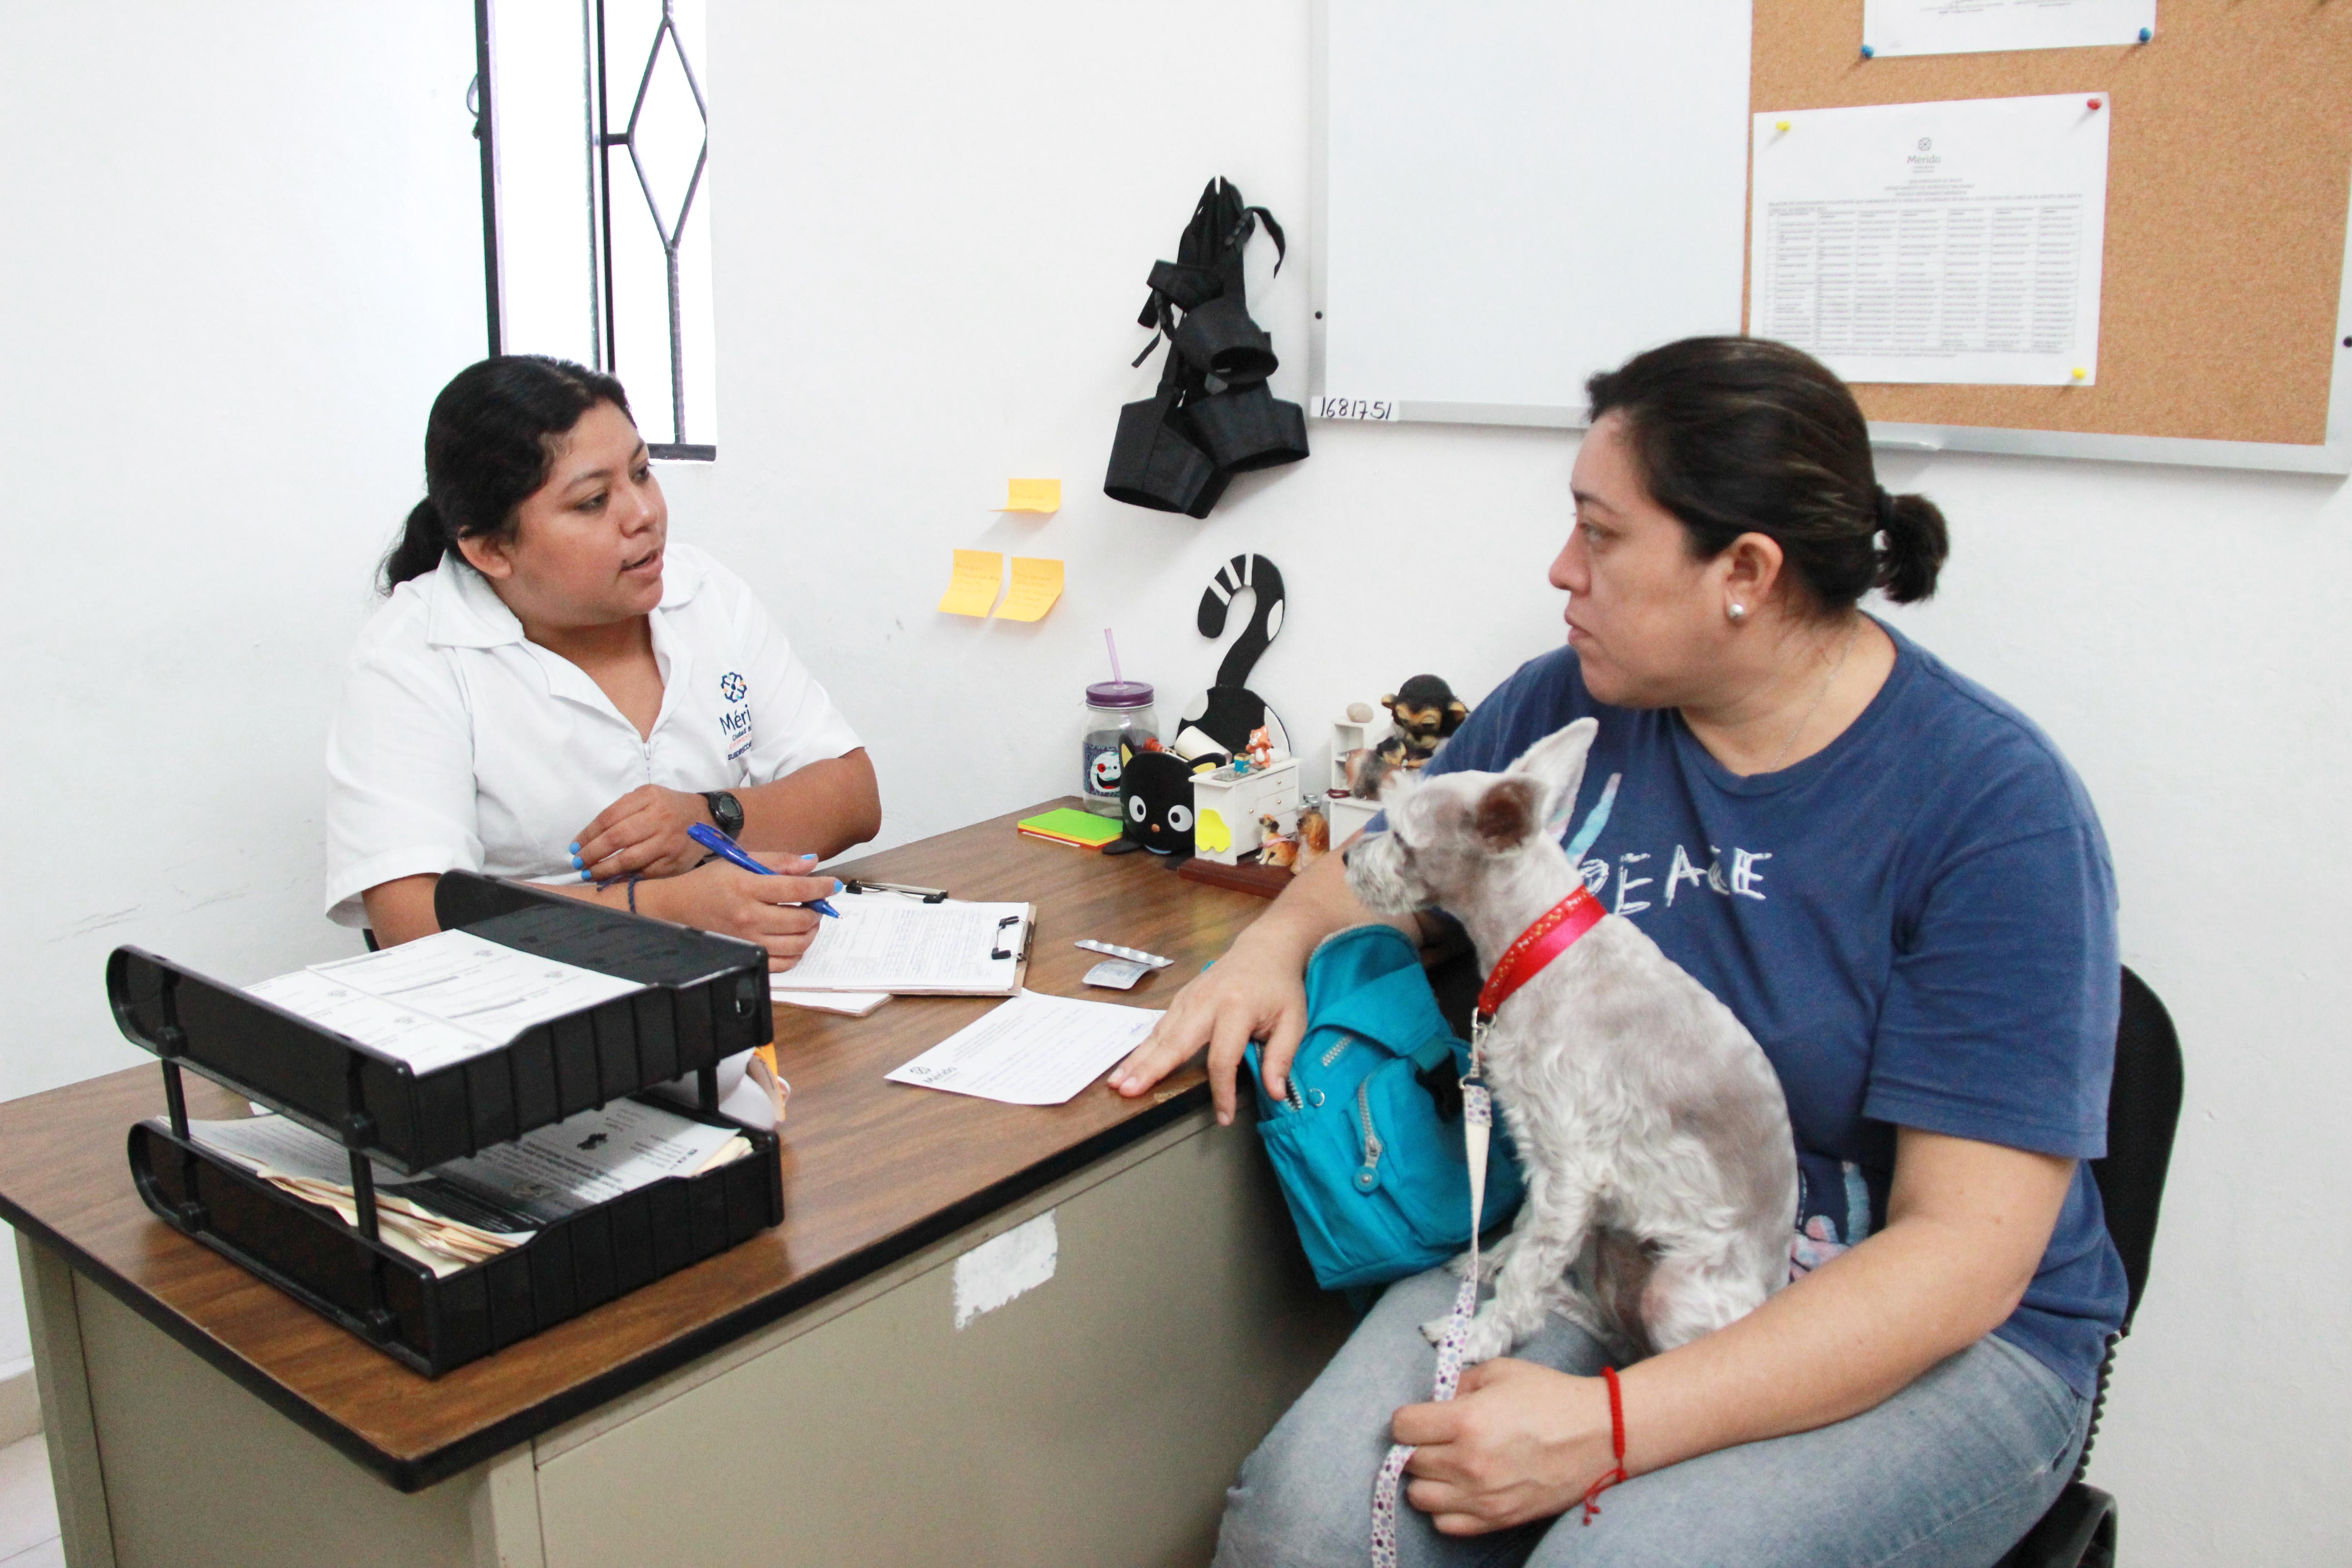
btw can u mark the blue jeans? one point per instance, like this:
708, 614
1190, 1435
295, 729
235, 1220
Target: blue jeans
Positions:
1950, 1472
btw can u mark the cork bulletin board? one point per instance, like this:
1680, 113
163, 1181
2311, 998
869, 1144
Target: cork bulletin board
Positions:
2222, 311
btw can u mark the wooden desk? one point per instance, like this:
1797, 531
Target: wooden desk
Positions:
804, 1397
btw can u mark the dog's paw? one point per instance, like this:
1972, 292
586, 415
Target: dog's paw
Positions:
1490, 1262
1434, 1330
1489, 1337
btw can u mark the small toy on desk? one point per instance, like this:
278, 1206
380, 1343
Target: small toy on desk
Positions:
1425, 711
1314, 836
1155, 801
1229, 804
1261, 747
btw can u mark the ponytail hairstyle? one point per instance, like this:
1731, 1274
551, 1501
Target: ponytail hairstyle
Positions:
488, 444
1739, 435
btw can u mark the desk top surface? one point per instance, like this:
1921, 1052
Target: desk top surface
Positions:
872, 1169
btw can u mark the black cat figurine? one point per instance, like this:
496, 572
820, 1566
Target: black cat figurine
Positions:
1155, 801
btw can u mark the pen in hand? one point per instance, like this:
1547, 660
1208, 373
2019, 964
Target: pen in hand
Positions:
727, 849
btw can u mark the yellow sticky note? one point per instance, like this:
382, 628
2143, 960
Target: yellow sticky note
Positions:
1031, 495
1036, 584
972, 589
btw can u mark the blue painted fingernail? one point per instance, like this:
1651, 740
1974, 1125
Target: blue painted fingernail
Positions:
576, 849
584, 877
577, 863
839, 886
808, 856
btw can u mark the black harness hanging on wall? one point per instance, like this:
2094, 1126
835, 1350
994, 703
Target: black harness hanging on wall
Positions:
1212, 415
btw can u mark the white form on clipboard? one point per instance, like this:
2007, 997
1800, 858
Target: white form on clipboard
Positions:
886, 942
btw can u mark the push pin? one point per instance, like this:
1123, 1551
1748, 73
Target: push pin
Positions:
2095, 103
1867, 52
2145, 34
2081, 374
1779, 125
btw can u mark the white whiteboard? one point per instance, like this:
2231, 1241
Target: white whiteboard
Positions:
1511, 195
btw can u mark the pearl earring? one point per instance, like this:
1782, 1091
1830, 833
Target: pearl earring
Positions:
1737, 612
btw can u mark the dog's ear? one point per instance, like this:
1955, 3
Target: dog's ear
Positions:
1510, 812
1556, 763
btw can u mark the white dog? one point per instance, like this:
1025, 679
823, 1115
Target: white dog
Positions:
1647, 1119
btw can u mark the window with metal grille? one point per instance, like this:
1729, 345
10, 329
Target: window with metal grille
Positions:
596, 198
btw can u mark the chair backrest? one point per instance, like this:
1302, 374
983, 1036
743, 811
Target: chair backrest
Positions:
2143, 1111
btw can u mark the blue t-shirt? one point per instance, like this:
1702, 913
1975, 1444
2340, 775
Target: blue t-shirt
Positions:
1917, 923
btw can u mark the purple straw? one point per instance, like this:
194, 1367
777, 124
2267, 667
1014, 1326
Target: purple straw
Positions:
1113, 646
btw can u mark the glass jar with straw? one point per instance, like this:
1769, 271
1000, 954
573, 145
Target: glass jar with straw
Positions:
1118, 711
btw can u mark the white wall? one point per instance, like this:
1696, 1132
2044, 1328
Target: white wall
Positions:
243, 250
933, 229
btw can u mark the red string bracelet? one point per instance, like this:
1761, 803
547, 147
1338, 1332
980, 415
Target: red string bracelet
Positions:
1616, 1444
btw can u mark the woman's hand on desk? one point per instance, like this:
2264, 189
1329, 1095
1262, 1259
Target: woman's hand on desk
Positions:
644, 834
1252, 993
1257, 992
766, 909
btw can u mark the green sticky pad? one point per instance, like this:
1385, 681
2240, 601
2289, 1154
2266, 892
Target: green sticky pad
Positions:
1072, 826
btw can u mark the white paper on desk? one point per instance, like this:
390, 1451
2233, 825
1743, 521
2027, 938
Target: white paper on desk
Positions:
1935, 242
887, 943
850, 1003
1973, 26
1032, 1050
588, 1158
273, 1142
490, 990
422, 1041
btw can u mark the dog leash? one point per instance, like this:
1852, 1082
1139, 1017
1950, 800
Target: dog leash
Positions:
1554, 932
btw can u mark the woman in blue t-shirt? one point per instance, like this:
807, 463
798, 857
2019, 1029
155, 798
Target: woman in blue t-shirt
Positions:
1898, 885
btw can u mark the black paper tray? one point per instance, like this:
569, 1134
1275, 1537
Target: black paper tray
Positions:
706, 997
433, 1323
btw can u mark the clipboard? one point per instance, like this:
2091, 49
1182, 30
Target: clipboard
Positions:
918, 947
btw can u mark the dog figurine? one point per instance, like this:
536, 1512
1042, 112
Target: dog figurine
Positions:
1424, 712
1647, 1119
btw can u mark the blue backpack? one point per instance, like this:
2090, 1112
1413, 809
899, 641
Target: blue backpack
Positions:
1375, 1176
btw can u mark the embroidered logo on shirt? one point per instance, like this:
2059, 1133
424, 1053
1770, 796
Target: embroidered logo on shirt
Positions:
735, 721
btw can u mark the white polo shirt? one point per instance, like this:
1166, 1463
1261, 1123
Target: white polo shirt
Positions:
457, 743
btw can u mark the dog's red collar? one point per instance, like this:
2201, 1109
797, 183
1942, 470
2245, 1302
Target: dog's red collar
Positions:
1553, 934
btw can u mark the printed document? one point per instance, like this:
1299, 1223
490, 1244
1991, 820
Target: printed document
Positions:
466, 1210
885, 943
421, 1040
1033, 1050
1973, 26
1935, 242
441, 998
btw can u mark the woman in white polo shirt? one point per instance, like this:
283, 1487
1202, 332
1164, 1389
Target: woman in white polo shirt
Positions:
556, 692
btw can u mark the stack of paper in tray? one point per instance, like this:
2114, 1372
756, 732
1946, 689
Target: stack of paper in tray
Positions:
471, 1210
1066, 825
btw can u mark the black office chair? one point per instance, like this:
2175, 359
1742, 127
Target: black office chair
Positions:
2143, 1109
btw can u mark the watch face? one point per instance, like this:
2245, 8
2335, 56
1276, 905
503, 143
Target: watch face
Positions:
727, 811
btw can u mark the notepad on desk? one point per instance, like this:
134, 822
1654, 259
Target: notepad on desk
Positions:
886, 942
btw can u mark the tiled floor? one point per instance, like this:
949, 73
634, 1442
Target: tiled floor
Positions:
28, 1510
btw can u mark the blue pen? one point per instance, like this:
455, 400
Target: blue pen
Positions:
727, 849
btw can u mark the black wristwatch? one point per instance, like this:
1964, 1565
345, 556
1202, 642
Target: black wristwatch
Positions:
726, 811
